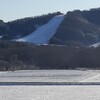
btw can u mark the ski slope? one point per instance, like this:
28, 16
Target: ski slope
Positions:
44, 33
95, 45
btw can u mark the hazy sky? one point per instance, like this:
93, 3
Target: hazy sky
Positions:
15, 9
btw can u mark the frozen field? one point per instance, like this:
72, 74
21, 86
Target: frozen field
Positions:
49, 93
51, 76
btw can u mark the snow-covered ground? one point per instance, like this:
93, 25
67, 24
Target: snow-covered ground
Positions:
49, 93
44, 33
94, 78
50, 76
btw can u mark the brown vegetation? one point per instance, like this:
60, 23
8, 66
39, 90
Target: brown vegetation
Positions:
14, 56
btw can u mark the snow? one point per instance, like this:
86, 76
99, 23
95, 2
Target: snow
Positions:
47, 75
95, 45
44, 33
95, 78
49, 93
1, 37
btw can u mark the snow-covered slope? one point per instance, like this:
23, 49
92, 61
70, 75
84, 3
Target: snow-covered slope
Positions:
95, 45
44, 33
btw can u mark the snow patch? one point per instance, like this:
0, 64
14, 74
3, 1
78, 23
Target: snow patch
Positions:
1, 37
95, 45
44, 33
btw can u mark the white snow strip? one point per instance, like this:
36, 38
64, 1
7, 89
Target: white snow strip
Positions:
47, 75
95, 45
1, 37
44, 33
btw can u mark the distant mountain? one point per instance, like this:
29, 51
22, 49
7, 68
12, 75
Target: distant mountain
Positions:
76, 28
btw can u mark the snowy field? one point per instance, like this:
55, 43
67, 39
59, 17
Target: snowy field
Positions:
49, 93
51, 76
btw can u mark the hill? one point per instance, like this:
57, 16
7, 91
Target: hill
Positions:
23, 27
76, 28
81, 28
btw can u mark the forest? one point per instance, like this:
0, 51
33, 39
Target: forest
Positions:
23, 56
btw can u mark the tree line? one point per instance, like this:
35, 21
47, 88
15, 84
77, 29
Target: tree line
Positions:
23, 56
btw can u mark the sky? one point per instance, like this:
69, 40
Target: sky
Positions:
16, 9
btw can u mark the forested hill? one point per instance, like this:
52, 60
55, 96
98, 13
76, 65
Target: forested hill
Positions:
23, 27
78, 28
